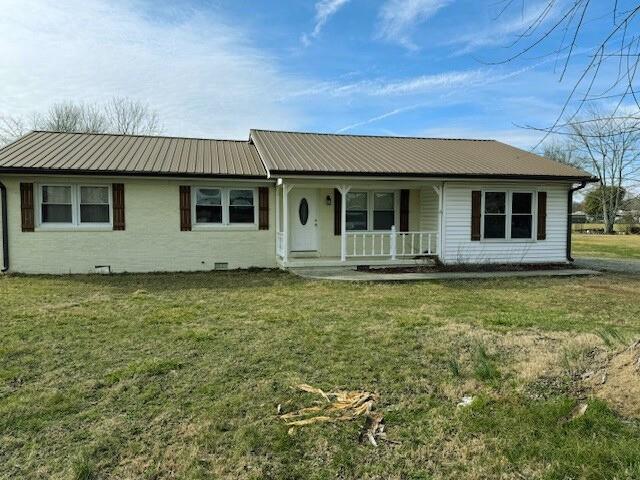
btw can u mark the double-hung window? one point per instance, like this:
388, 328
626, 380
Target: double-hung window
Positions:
208, 205
370, 211
241, 206
357, 211
74, 205
522, 215
94, 204
56, 204
224, 206
507, 215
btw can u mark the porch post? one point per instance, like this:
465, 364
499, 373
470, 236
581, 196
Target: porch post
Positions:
344, 189
278, 226
393, 245
285, 220
439, 189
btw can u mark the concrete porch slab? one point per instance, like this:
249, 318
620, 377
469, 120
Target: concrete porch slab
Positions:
355, 276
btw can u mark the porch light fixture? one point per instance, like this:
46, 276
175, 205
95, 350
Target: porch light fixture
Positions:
329, 200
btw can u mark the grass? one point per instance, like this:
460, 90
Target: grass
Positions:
179, 376
606, 246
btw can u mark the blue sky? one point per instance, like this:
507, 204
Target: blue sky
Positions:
218, 68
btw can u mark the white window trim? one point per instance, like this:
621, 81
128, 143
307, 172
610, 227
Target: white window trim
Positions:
225, 197
75, 223
370, 209
508, 212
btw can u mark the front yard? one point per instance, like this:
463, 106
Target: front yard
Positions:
606, 246
180, 376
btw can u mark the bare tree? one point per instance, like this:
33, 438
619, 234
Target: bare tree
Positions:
556, 30
72, 117
131, 117
608, 146
118, 115
562, 151
11, 128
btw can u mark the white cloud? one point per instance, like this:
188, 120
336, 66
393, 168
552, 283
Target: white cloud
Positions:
504, 30
202, 75
398, 18
325, 9
396, 88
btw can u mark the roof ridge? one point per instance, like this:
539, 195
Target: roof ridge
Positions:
141, 136
376, 136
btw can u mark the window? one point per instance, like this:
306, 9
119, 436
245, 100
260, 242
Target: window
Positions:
74, 205
241, 208
508, 215
208, 205
495, 214
521, 215
57, 205
357, 211
94, 204
383, 210
371, 210
223, 206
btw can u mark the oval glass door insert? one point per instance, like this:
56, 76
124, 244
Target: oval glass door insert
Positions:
303, 211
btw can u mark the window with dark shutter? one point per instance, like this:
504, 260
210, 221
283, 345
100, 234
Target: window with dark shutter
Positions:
117, 192
337, 212
185, 208
542, 215
263, 202
404, 210
26, 207
476, 205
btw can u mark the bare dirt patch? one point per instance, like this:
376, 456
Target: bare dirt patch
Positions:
617, 382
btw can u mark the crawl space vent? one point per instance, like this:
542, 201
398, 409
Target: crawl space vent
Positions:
221, 266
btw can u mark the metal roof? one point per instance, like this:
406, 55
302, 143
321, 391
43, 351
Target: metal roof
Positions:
57, 152
326, 154
280, 152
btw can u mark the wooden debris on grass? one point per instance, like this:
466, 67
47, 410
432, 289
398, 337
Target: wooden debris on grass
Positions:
339, 406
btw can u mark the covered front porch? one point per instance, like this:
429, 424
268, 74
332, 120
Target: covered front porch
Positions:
357, 223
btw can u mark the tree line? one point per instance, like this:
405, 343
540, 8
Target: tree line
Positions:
117, 115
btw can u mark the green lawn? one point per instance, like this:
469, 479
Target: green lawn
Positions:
179, 376
606, 246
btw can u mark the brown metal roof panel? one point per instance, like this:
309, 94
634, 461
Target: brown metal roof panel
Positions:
343, 154
32, 153
11, 154
56, 155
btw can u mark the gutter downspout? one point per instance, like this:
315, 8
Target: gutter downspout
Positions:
5, 231
569, 219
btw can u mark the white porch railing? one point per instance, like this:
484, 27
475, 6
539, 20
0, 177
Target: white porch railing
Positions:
280, 244
392, 244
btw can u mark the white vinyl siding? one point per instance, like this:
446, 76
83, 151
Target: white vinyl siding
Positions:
458, 247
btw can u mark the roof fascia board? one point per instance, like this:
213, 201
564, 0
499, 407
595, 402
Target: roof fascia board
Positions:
260, 155
139, 175
441, 178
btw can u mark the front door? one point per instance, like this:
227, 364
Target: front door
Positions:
303, 220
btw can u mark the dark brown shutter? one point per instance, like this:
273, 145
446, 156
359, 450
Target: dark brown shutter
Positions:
185, 208
337, 212
542, 215
263, 202
26, 207
476, 205
117, 191
404, 210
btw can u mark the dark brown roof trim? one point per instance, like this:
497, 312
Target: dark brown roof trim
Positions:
139, 135
275, 173
117, 173
401, 137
